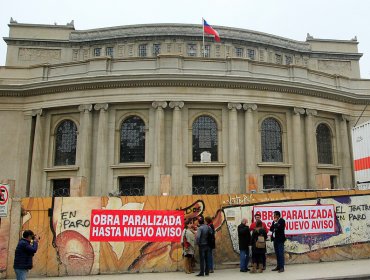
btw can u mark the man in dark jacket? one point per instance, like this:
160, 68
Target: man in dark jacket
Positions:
278, 237
244, 236
202, 240
24, 252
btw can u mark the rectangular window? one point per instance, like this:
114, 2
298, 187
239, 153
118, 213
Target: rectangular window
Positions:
207, 51
61, 187
192, 50
251, 54
205, 184
142, 50
156, 49
273, 182
109, 51
278, 59
239, 52
132, 186
333, 182
97, 52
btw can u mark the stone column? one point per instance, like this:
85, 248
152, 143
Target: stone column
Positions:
176, 159
234, 159
24, 147
345, 153
250, 147
37, 156
101, 149
84, 144
158, 156
311, 149
298, 150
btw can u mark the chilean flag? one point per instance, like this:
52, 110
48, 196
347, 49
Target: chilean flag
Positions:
209, 30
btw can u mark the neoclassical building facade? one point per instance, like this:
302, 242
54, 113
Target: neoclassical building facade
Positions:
149, 110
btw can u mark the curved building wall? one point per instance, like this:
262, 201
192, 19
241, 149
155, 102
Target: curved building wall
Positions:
266, 111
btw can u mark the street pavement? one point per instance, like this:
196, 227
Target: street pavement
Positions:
351, 269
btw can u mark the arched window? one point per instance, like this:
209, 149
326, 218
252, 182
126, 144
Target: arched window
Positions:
204, 137
271, 142
132, 140
324, 147
65, 143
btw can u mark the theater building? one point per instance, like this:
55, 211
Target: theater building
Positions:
149, 110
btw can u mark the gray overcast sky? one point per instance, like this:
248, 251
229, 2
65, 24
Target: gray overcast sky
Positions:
293, 19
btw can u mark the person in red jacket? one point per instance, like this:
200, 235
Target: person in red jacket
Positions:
257, 217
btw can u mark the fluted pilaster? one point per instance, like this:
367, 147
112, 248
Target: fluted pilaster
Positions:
234, 159
101, 151
310, 145
298, 150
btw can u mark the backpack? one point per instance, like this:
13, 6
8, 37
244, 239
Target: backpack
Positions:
260, 242
211, 239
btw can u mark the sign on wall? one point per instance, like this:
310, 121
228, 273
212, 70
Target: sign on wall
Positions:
301, 219
4, 200
136, 225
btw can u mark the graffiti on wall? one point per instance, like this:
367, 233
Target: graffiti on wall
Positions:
64, 224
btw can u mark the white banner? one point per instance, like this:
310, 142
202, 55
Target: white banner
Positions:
301, 219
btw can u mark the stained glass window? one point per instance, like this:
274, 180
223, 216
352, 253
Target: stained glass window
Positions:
65, 143
204, 137
271, 141
324, 147
132, 147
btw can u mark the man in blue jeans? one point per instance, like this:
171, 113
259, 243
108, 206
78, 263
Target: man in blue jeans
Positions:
278, 237
26, 248
202, 241
244, 236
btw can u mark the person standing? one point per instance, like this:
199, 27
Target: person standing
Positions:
259, 237
211, 243
244, 236
188, 246
26, 249
202, 241
257, 217
278, 237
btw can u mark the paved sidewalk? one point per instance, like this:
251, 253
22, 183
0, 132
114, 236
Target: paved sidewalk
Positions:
353, 269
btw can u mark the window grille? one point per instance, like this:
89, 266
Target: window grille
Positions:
65, 143
132, 186
192, 49
273, 182
142, 50
239, 52
288, 59
278, 59
205, 184
251, 54
156, 49
207, 51
324, 145
204, 137
271, 142
97, 52
132, 143
61, 187
109, 51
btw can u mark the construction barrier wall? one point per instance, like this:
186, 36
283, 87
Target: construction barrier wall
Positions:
64, 223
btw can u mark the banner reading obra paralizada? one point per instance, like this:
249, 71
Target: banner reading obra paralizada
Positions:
136, 225
301, 219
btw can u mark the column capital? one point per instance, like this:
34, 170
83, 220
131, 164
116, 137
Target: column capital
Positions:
36, 112
234, 106
250, 106
299, 110
311, 112
346, 118
176, 104
85, 107
101, 106
159, 104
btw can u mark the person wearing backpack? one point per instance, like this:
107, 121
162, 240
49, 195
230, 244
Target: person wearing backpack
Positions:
202, 241
211, 243
188, 246
257, 216
259, 237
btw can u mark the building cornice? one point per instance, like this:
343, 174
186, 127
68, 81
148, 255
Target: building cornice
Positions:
173, 80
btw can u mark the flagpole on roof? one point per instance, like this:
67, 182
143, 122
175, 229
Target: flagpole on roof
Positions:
204, 53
